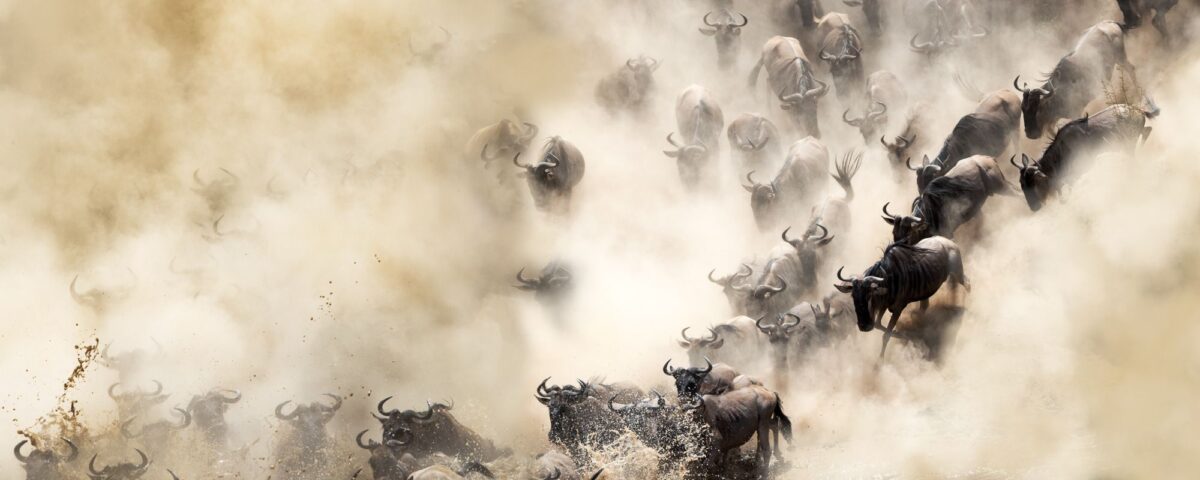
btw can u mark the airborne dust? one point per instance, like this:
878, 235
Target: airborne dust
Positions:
276, 193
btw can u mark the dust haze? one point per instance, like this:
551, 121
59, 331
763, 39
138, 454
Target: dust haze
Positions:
277, 194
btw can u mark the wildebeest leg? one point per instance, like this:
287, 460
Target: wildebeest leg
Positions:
764, 448
1160, 24
887, 333
754, 73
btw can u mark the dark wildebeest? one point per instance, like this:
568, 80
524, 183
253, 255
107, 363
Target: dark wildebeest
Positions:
555, 176
1134, 10
727, 32
630, 87
1118, 126
208, 410
790, 77
736, 416
795, 188
755, 143
841, 49
131, 404
951, 200
905, 274
120, 471
579, 417
735, 286
989, 130
303, 449
699, 121
871, 11
710, 379
436, 430
550, 285
1076, 80
43, 463
388, 460
884, 93
735, 341
500, 140
833, 213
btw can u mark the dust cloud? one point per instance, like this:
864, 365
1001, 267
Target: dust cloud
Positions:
277, 195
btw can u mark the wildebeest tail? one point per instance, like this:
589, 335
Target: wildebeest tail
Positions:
845, 170
785, 423
476, 467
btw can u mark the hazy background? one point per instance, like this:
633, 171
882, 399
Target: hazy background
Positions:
361, 253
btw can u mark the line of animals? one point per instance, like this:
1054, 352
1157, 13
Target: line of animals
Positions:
781, 309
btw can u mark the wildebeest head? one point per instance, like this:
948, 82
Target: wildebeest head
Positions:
544, 172
510, 139
868, 294
764, 199
872, 121
699, 346
802, 105
688, 380
1035, 184
120, 471
132, 403
932, 47
843, 53
780, 333
126, 363
908, 229
726, 34
690, 159
898, 148
559, 400
309, 419
554, 280
208, 410
156, 431
734, 286
387, 458
1032, 106
749, 137
806, 246
928, 171
44, 462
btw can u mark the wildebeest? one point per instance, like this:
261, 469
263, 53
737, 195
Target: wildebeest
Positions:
127, 364
442, 472
734, 417
578, 415
884, 93
789, 274
1134, 10
120, 471
833, 213
951, 200
550, 285
500, 140
304, 447
734, 341
1076, 80
208, 410
755, 143
735, 287
710, 379
905, 274
943, 24
553, 178
727, 32
871, 11
130, 404
841, 48
800, 181
44, 463
791, 78
158, 433
989, 130
630, 87
699, 121
1118, 126
388, 460
436, 430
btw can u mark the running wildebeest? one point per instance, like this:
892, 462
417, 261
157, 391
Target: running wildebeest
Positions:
436, 430
131, 404
884, 93
550, 285
208, 410
1118, 126
736, 416
388, 460
120, 471
699, 121
989, 130
304, 447
803, 327
944, 24
841, 48
905, 274
579, 417
796, 187
833, 213
710, 379
554, 177
500, 140
755, 143
735, 287
630, 87
791, 78
1134, 10
44, 463
727, 32
951, 200
1076, 80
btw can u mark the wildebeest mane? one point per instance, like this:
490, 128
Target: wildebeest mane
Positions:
974, 134
1060, 149
903, 270
942, 190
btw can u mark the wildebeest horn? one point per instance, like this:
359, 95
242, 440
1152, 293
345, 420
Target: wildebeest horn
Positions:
886, 213
750, 178
112, 391
125, 432
783, 321
671, 140
75, 295
763, 328
583, 388
745, 21
365, 446
426, 416
716, 280
231, 399
1013, 161
542, 391
158, 388
279, 411
17, 451
824, 232
555, 475
1017, 85
145, 460
667, 368
851, 121
707, 369
908, 163
440, 406
905, 142
919, 48
74, 450
840, 277
706, 22
767, 288
614, 407
527, 282
518, 162
92, 465
684, 334
819, 91
882, 110
187, 419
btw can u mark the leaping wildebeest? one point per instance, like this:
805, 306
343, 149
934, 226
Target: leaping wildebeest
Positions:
796, 187
989, 130
736, 416
905, 274
43, 462
833, 213
791, 78
755, 143
1118, 126
630, 87
841, 48
554, 177
726, 29
699, 120
1076, 80
885, 100
436, 430
950, 200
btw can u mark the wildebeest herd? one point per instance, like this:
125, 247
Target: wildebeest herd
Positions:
785, 304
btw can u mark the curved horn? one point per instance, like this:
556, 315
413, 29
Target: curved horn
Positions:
667, 368
908, 163
74, 450
745, 21
613, 407
1013, 161
714, 280
886, 213
787, 326
541, 388
706, 22
158, 388
145, 460
761, 327
684, 334
17, 451
111, 391
1016, 85
824, 232
819, 91
793, 242
92, 466
517, 162
671, 140
851, 121
882, 110
386, 413
919, 48
526, 281
840, 277
767, 288
279, 411
187, 419
75, 295
236, 395
337, 402
125, 432
364, 446
708, 369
